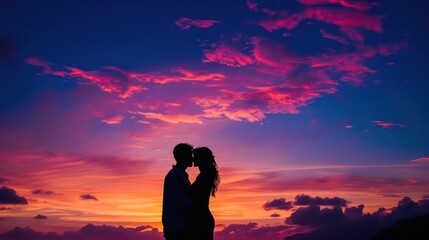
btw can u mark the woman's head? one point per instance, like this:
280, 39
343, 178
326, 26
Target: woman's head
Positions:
205, 161
203, 158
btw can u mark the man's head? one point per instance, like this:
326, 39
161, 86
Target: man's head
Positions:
182, 152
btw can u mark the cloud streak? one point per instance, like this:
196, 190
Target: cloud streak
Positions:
186, 23
359, 5
88, 197
350, 22
384, 124
422, 160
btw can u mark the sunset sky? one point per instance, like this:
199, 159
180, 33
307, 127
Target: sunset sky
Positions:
320, 101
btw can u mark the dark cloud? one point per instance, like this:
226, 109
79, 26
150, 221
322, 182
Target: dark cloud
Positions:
279, 204
315, 216
275, 215
306, 200
5, 208
88, 197
358, 229
251, 231
409, 228
353, 225
89, 232
3, 180
19, 233
9, 196
354, 211
39, 216
42, 192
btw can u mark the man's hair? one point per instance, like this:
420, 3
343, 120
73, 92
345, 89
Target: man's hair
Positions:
181, 151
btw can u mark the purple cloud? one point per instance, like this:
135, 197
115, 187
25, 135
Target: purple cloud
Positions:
251, 231
88, 197
39, 216
89, 232
279, 204
42, 192
303, 200
313, 215
186, 23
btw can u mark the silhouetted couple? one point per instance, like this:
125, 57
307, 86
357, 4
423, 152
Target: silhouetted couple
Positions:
185, 208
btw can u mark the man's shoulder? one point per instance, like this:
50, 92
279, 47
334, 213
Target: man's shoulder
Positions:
173, 173
169, 173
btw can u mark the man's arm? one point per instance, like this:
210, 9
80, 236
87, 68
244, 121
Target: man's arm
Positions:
181, 191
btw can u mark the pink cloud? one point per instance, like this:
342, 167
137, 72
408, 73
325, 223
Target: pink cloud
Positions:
227, 56
387, 124
252, 5
46, 66
187, 23
284, 81
422, 159
350, 21
254, 102
339, 39
123, 82
351, 65
277, 181
180, 74
363, 6
108, 79
251, 231
114, 119
275, 55
413, 181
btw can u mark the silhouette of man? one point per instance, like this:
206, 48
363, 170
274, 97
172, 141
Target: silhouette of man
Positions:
176, 196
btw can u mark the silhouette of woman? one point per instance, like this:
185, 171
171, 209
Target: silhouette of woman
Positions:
206, 184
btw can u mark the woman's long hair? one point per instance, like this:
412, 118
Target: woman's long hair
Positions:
208, 164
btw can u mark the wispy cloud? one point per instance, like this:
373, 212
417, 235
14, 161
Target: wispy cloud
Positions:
42, 192
173, 118
422, 159
384, 124
113, 119
350, 22
88, 197
252, 5
278, 79
228, 56
186, 23
40, 216
180, 74
359, 5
